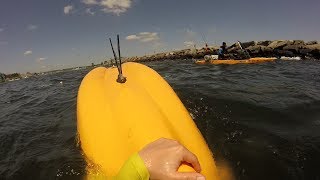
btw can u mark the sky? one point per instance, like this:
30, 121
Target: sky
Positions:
42, 35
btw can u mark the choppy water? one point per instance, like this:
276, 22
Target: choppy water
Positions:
261, 119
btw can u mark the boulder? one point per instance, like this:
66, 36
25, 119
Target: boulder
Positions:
248, 44
294, 48
255, 49
264, 43
298, 42
233, 49
274, 43
279, 44
214, 47
312, 42
259, 50
284, 53
304, 51
233, 45
313, 47
315, 50
266, 49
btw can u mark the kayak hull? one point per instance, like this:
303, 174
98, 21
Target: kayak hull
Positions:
116, 120
232, 61
290, 58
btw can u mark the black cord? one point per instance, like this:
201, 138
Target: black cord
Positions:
121, 78
114, 55
120, 64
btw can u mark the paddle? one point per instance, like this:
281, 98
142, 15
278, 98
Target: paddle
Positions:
246, 52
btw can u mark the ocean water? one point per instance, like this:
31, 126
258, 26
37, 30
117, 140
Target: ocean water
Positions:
262, 120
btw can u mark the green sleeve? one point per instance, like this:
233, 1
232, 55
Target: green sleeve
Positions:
133, 169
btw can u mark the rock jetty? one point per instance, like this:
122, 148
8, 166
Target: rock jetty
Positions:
276, 48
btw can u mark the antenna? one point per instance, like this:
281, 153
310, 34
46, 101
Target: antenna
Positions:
121, 78
114, 54
120, 64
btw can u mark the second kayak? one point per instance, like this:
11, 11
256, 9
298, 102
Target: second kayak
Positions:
233, 61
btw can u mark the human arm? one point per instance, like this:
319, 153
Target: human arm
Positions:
160, 160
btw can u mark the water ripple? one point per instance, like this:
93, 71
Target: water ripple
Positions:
259, 118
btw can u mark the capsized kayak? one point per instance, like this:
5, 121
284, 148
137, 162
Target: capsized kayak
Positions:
233, 61
116, 120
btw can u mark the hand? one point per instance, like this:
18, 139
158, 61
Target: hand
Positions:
164, 157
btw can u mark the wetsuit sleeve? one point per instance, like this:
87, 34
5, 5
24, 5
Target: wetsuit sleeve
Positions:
133, 169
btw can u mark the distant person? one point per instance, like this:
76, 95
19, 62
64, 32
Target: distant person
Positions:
222, 51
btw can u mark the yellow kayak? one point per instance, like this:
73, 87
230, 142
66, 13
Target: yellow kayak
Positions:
116, 120
232, 61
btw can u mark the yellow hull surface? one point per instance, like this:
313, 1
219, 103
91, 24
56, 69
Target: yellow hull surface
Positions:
116, 120
232, 61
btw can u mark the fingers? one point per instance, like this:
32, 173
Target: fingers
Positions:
187, 156
190, 158
187, 176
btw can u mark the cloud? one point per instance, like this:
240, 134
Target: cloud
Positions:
108, 6
132, 37
1, 29
27, 53
115, 6
90, 2
32, 27
40, 60
67, 9
150, 39
190, 37
144, 37
88, 11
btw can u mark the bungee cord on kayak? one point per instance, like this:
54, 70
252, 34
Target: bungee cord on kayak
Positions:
121, 78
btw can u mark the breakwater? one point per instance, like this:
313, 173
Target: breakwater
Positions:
276, 48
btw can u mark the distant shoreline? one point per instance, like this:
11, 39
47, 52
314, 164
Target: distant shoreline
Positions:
276, 48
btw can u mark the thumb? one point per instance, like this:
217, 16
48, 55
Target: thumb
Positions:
187, 176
